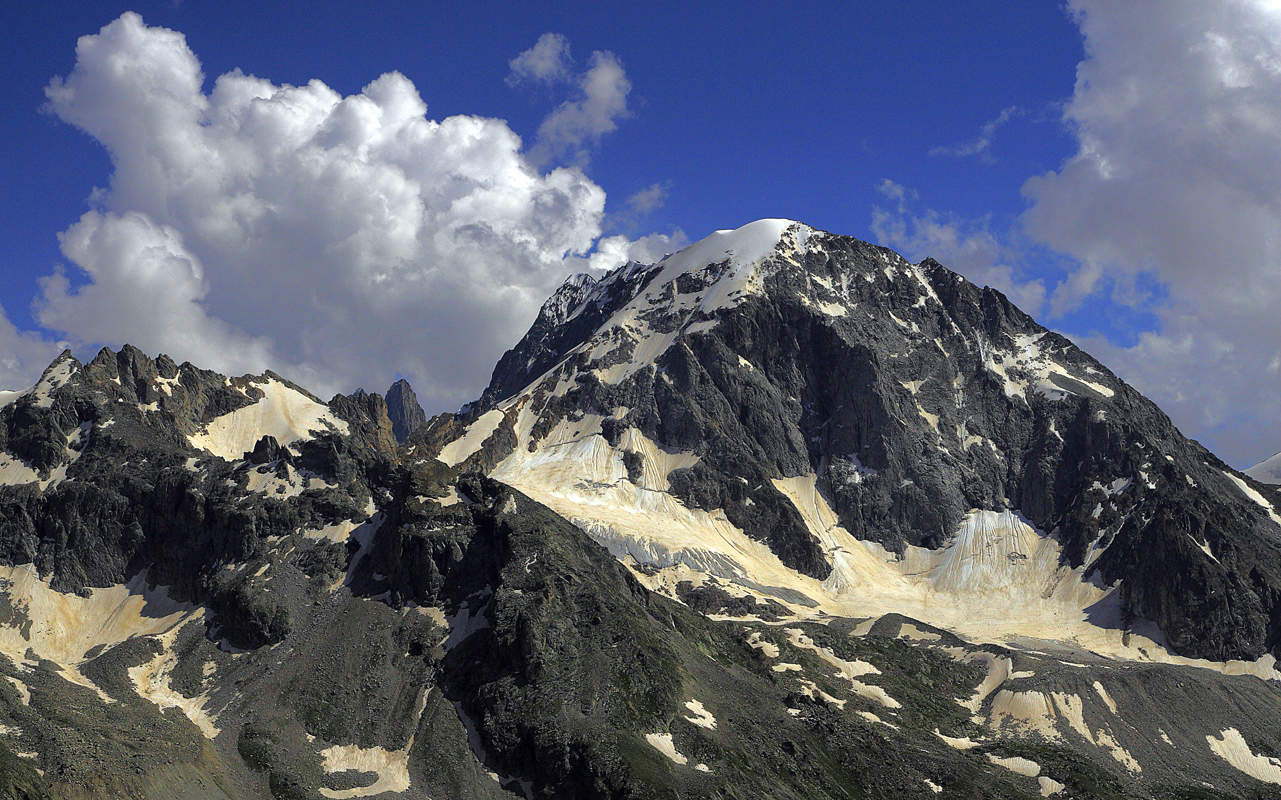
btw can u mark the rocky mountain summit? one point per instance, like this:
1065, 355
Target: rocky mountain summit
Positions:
774, 367
782, 515
403, 410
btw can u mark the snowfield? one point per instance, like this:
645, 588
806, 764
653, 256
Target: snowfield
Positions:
282, 412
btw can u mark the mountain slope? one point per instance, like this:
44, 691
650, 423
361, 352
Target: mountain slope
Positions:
782, 515
321, 618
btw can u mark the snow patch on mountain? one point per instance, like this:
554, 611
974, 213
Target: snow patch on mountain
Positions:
689, 286
1016, 764
15, 472
662, 742
1232, 747
462, 448
848, 670
268, 480
390, 766
1267, 471
282, 412
64, 628
153, 681
1050, 715
1032, 367
701, 716
957, 742
578, 474
999, 670
1250, 492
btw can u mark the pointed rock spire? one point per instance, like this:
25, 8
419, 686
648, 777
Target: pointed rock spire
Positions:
403, 409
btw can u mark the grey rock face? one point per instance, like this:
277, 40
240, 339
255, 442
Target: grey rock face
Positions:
404, 411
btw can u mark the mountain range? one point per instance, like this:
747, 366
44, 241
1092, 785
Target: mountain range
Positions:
782, 515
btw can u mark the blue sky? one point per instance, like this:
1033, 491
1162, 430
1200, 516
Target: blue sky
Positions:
922, 125
766, 112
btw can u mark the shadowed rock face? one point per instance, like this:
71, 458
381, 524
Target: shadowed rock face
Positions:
404, 411
217, 587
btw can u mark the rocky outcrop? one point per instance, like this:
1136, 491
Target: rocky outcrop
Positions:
404, 411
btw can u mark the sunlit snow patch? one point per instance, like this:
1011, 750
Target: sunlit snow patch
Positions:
152, 680
662, 742
282, 412
700, 716
462, 448
1254, 495
64, 628
1232, 747
391, 766
1031, 367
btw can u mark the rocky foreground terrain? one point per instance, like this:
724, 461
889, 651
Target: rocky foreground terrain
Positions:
780, 516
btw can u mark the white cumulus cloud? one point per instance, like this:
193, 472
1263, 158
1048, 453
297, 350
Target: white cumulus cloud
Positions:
547, 61
153, 287
650, 198
1177, 179
612, 251
23, 355
342, 239
567, 133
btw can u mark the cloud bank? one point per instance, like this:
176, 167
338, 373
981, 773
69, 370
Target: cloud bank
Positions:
600, 101
337, 239
23, 354
1177, 178
578, 124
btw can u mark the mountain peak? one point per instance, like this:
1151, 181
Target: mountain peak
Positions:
55, 375
741, 247
682, 290
404, 410
770, 384
1267, 471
